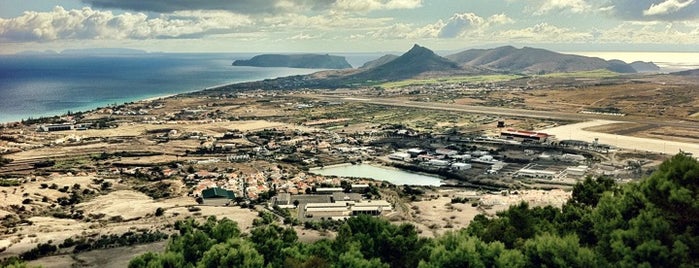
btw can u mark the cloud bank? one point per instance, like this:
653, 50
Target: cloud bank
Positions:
653, 10
253, 6
86, 23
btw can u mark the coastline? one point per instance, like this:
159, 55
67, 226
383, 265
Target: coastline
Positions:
146, 99
138, 99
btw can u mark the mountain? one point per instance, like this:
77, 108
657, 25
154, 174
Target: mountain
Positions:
417, 61
620, 66
692, 72
378, 62
643, 67
534, 60
309, 61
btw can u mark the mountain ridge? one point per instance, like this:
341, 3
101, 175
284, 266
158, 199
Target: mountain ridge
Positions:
534, 60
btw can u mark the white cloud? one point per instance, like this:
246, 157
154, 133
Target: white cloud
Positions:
541, 7
368, 5
255, 6
86, 23
667, 7
461, 24
303, 36
500, 19
335, 22
650, 33
458, 25
544, 33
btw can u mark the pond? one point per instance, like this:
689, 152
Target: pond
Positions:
395, 176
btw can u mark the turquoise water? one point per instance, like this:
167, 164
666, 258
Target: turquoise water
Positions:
34, 86
393, 176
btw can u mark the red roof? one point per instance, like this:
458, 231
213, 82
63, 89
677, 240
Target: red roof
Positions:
526, 133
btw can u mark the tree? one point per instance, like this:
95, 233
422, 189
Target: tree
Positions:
233, 253
159, 212
458, 249
354, 258
105, 185
588, 192
270, 240
552, 251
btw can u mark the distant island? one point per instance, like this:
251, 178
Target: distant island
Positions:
308, 61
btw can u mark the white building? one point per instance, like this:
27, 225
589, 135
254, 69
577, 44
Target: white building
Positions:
536, 173
438, 163
576, 171
460, 166
446, 152
400, 156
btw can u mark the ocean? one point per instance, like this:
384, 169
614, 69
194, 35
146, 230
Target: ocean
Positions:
47, 85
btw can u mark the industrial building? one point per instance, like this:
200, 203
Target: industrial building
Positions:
460, 166
524, 135
216, 196
55, 127
536, 173
344, 209
401, 156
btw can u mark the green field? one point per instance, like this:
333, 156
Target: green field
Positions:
454, 79
601, 73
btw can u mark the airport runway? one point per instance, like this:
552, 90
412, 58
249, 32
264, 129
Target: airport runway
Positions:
577, 132
571, 131
512, 112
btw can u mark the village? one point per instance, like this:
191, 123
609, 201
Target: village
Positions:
240, 154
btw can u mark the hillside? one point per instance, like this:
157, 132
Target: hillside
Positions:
534, 60
418, 60
692, 72
309, 61
378, 62
641, 66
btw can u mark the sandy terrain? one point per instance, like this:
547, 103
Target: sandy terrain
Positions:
133, 130
135, 208
129, 204
577, 132
103, 258
534, 198
436, 216
32, 190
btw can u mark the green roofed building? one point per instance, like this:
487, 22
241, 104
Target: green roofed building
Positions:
216, 192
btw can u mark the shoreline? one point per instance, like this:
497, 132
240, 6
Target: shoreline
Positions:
147, 99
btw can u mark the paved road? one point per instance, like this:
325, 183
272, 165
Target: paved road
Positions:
512, 112
577, 132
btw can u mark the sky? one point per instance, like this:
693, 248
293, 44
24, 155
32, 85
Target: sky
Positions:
348, 25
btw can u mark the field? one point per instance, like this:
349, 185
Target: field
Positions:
451, 80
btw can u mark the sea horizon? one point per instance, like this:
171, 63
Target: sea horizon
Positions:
34, 86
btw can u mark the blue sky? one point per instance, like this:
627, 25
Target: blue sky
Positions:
348, 25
